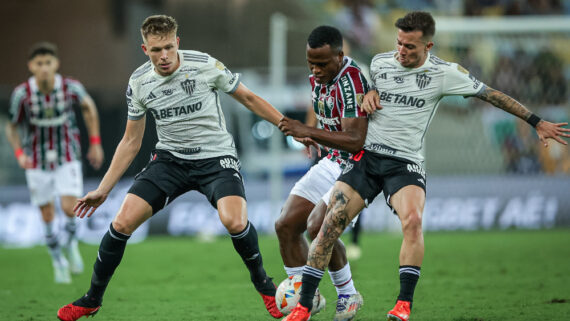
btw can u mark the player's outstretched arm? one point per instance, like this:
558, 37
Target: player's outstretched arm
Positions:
350, 139
371, 102
257, 104
95, 154
544, 129
126, 151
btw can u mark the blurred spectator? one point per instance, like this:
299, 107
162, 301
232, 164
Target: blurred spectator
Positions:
359, 23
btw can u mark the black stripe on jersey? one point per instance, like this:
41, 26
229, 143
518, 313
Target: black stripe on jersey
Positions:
384, 55
197, 58
438, 61
141, 70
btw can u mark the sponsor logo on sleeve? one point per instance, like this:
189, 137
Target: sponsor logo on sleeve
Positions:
476, 82
463, 70
220, 65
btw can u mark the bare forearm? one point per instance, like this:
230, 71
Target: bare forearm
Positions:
13, 137
505, 102
91, 117
124, 155
347, 141
264, 110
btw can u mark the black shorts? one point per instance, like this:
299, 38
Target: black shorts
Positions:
370, 173
166, 177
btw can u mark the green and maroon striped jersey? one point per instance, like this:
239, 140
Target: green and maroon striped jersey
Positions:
51, 136
341, 98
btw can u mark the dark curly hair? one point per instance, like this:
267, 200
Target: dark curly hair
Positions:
325, 35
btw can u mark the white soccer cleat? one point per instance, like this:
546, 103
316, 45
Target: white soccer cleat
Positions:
61, 271
347, 306
74, 257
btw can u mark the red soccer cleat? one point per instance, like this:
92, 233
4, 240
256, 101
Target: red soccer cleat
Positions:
401, 312
72, 312
270, 305
299, 313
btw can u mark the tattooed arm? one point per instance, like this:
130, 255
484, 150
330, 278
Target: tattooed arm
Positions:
544, 129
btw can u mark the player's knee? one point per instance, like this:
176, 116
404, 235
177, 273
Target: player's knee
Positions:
313, 228
287, 227
123, 226
412, 222
235, 225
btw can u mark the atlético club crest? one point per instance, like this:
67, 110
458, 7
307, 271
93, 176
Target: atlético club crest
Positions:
422, 80
188, 85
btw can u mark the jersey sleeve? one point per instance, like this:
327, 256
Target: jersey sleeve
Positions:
136, 109
352, 88
221, 77
458, 81
77, 90
17, 105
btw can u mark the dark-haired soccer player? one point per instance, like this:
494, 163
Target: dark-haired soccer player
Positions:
194, 152
409, 83
49, 151
338, 87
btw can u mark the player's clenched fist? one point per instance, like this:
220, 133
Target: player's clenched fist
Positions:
292, 127
371, 102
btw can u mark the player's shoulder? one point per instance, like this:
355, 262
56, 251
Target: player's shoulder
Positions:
352, 69
384, 58
68, 80
141, 71
22, 88
194, 57
437, 62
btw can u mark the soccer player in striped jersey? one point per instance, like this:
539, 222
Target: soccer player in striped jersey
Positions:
49, 151
180, 88
338, 87
409, 83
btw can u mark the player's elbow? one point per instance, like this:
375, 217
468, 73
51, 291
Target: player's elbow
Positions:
356, 145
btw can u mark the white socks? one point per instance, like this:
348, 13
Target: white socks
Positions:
342, 280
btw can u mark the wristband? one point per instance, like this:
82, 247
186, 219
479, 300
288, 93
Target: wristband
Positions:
95, 140
18, 152
533, 120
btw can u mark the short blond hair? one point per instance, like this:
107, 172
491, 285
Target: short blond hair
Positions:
159, 25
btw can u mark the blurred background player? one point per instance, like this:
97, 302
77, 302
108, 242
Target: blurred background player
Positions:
42, 110
194, 152
409, 83
338, 87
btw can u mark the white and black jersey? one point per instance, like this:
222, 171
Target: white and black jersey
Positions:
186, 105
410, 97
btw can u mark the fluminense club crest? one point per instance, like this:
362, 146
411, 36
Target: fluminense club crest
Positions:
422, 80
188, 85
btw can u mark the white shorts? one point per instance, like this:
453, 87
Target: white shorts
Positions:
45, 185
318, 182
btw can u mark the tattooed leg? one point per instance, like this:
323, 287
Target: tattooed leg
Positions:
345, 204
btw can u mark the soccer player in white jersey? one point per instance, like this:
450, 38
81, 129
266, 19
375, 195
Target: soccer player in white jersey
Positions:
409, 84
338, 87
194, 152
49, 151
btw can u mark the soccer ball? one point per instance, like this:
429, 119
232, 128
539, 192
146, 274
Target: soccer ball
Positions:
289, 292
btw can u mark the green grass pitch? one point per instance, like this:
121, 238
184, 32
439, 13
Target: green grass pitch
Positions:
466, 276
